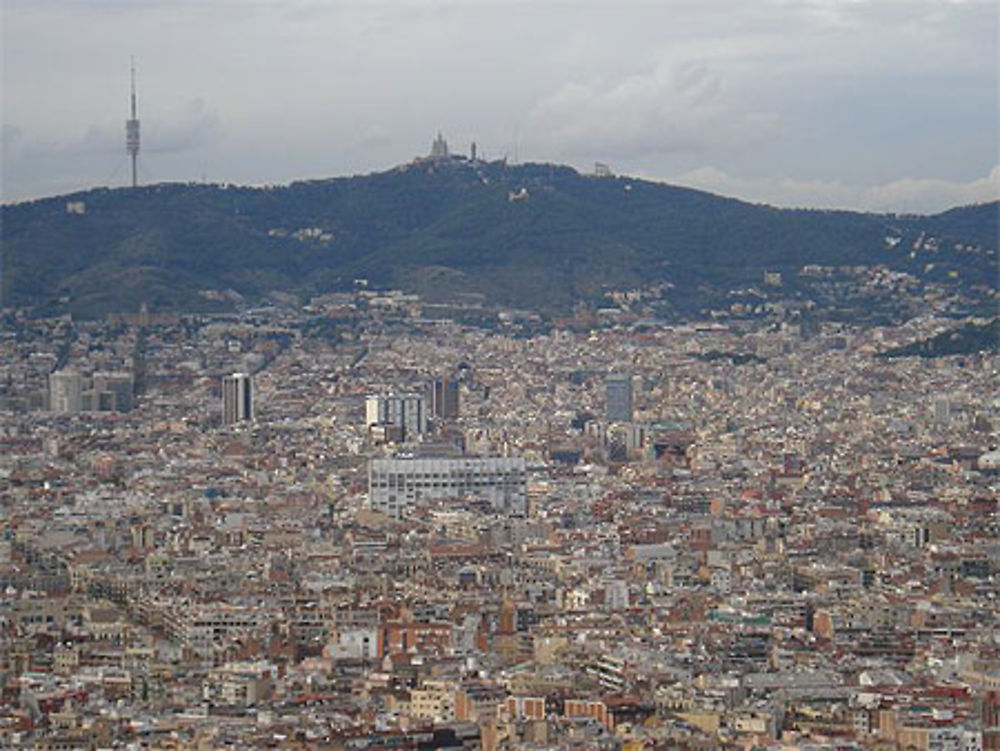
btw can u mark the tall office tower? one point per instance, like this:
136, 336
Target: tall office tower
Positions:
618, 397
405, 411
65, 391
237, 398
444, 398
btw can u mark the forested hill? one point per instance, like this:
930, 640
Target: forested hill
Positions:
533, 235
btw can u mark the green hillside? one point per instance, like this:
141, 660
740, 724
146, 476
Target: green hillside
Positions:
533, 235
967, 339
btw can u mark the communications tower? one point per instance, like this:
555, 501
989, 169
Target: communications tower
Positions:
132, 132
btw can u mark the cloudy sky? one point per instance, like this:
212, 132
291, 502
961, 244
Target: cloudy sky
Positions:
886, 105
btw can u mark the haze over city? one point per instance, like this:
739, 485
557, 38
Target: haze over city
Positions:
881, 106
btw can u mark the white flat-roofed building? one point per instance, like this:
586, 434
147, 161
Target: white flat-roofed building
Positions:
398, 482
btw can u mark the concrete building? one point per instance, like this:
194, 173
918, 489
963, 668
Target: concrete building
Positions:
65, 391
405, 411
238, 684
395, 483
444, 398
237, 398
433, 701
112, 391
618, 397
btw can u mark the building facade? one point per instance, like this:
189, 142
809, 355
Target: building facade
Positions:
105, 391
444, 398
618, 397
113, 391
399, 482
405, 411
65, 391
237, 398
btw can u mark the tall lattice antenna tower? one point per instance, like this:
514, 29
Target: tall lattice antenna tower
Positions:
132, 132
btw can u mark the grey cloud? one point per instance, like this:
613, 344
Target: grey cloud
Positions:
11, 135
375, 137
840, 93
193, 126
96, 139
189, 127
905, 195
668, 109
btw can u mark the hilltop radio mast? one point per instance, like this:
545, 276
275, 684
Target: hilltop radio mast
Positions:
132, 132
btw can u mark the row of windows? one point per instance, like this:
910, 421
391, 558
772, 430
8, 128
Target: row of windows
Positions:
451, 486
449, 477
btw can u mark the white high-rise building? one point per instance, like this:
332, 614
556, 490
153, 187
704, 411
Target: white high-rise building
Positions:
237, 398
65, 391
398, 482
406, 411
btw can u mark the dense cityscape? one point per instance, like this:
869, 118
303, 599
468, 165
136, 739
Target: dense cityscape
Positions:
474, 376
358, 524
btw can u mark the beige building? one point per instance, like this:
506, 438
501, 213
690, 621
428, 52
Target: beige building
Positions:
434, 701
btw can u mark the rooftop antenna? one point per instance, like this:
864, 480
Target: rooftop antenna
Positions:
132, 131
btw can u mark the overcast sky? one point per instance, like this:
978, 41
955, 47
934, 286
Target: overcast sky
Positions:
885, 105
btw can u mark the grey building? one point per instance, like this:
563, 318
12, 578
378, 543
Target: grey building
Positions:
398, 482
618, 397
405, 411
444, 398
66, 391
237, 398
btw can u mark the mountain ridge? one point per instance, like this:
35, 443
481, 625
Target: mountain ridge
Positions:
536, 235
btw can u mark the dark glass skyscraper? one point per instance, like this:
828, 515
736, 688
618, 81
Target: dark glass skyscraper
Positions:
444, 398
618, 397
